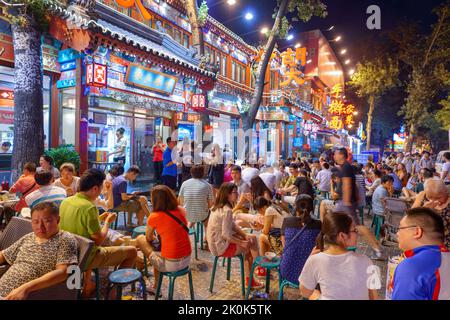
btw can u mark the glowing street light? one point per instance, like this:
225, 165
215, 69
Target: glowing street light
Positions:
248, 16
338, 38
347, 61
290, 37
309, 61
231, 2
298, 45
264, 30
355, 113
343, 51
351, 72
330, 28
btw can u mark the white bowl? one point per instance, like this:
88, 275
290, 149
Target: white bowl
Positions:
270, 255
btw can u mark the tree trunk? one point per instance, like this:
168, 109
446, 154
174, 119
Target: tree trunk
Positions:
196, 27
262, 68
28, 101
410, 141
369, 120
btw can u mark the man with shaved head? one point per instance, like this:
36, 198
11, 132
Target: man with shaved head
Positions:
436, 196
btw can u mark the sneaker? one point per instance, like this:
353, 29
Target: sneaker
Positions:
260, 272
254, 285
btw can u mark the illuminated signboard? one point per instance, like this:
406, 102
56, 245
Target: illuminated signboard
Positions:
198, 101
150, 79
96, 75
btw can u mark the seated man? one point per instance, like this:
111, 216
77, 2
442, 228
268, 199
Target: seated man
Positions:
381, 192
47, 192
287, 186
79, 215
126, 202
397, 182
424, 274
39, 259
413, 189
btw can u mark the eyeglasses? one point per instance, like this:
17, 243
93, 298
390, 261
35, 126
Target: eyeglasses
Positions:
407, 227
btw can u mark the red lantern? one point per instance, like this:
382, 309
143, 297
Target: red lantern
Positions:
96, 75
198, 101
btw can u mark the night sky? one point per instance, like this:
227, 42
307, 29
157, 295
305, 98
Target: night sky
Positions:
348, 16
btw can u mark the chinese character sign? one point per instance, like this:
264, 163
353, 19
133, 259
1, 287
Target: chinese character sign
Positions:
341, 114
290, 62
337, 90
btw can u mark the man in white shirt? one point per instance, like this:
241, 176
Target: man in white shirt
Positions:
323, 179
47, 192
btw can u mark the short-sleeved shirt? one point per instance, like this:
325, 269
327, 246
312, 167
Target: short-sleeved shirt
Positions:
48, 193
158, 154
287, 182
346, 171
423, 275
25, 185
196, 193
119, 186
122, 145
424, 163
55, 172
341, 277
168, 170
79, 215
278, 216
377, 205
397, 182
73, 185
175, 242
30, 260
324, 179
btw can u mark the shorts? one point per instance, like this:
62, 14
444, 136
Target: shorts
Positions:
132, 206
231, 251
108, 257
170, 181
168, 265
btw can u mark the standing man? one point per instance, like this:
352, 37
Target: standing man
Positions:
169, 173
349, 200
158, 150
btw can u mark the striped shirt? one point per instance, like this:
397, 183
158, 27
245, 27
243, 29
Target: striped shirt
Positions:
48, 193
195, 194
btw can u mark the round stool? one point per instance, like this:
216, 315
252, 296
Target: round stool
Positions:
263, 262
138, 231
213, 274
172, 276
123, 277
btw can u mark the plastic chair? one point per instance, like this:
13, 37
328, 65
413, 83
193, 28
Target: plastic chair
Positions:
377, 222
116, 223
199, 233
193, 232
361, 214
172, 276
141, 230
286, 283
213, 274
123, 277
263, 262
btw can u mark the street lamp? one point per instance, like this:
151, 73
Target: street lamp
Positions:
338, 38
347, 61
248, 16
309, 61
290, 37
343, 51
355, 113
351, 72
298, 45
330, 28
231, 2
264, 30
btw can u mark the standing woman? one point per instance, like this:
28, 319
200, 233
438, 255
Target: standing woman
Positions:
120, 148
216, 169
46, 163
158, 150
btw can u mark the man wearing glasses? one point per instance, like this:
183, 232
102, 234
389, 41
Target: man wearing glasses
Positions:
424, 274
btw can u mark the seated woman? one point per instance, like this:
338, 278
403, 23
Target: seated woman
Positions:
298, 235
39, 259
341, 274
169, 221
416, 184
68, 181
223, 235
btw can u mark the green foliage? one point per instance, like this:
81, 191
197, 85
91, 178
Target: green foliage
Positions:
443, 115
374, 77
33, 12
64, 153
203, 13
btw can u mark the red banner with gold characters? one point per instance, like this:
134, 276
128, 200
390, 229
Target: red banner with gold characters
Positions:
341, 114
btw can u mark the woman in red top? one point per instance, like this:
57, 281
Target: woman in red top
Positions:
175, 254
158, 150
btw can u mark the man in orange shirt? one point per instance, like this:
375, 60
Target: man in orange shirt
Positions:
24, 185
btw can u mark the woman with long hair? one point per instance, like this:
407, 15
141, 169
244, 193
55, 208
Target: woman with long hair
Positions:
259, 189
224, 237
169, 221
402, 174
298, 235
341, 273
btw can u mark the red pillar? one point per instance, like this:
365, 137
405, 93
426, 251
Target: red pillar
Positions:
81, 118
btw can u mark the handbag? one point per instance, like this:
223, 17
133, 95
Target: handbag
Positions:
157, 244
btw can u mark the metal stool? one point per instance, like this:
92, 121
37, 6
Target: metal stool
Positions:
123, 277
